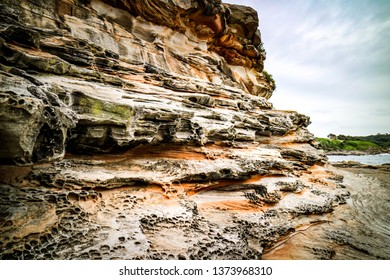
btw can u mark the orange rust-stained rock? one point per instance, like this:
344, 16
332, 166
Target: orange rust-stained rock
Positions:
142, 130
214, 22
229, 30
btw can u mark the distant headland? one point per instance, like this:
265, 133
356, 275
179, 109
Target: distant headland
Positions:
344, 144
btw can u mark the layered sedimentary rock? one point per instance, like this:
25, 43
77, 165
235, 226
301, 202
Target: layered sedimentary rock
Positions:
142, 130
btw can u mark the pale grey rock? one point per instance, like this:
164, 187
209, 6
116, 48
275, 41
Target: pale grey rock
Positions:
122, 127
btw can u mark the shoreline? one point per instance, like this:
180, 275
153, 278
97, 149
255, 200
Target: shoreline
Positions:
355, 153
359, 165
356, 230
359, 160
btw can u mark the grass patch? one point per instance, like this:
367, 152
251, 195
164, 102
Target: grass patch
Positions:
347, 145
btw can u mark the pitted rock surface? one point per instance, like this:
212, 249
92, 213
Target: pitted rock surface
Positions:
142, 130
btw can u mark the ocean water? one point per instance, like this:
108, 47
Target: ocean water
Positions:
365, 159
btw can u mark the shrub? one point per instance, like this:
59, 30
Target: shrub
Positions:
269, 79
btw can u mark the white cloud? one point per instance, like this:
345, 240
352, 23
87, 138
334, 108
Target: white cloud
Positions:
330, 60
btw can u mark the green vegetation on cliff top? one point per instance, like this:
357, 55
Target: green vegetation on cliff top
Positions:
341, 143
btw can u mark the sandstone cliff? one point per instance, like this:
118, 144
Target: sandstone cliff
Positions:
142, 130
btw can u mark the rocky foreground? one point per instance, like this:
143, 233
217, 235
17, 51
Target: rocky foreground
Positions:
358, 229
142, 130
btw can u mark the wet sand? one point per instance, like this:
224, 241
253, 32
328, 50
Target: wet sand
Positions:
359, 229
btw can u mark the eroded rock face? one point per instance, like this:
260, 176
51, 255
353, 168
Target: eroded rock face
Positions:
124, 123
128, 80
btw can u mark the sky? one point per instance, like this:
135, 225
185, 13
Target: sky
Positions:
330, 60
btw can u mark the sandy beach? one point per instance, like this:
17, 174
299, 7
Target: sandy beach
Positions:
358, 229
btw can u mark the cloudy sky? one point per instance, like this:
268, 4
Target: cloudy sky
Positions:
330, 60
